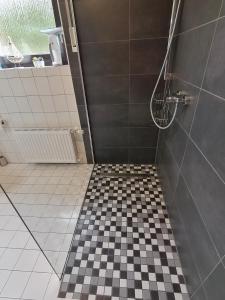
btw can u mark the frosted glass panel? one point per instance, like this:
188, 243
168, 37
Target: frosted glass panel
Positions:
22, 20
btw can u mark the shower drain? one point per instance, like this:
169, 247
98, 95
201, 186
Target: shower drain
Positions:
124, 175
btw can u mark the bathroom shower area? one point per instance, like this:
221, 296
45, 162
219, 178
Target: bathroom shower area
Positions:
112, 149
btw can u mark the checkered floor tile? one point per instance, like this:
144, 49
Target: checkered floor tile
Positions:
123, 246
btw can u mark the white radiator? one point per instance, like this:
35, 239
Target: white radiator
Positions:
46, 145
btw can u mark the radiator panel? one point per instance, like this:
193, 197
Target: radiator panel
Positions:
46, 145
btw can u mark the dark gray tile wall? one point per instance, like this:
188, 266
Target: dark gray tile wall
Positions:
191, 154
122, 45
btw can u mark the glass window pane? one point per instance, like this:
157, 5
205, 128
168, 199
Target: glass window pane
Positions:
22, 20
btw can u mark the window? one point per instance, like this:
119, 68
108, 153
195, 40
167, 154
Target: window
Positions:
22, 20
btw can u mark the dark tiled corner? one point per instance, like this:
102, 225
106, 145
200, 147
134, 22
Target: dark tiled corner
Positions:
176, 141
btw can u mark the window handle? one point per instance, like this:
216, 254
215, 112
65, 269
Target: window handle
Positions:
72, 24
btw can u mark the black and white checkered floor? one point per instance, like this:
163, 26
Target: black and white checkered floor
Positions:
123, 245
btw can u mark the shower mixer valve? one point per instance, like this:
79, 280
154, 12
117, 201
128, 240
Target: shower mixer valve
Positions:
179, 97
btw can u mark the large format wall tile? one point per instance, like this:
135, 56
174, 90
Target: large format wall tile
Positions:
145, 21
215, 74
209, 193
141, 155
143, 136
192, 50
139, 115
176, 141
185, 113
105, 58
141, 87
102, 20
214, 285
111, 155
107, 89
121, 55
192, 17
147, 55
208, 129
200, 193
110, 137
204, 252
109, 115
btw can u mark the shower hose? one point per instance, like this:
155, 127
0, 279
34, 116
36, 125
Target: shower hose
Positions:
170, 40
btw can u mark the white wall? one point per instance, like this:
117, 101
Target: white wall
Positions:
36, 98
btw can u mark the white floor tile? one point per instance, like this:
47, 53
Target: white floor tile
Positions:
6, 237
4, 275
42, 265
53, 288
27, 260
9, 259
19, 240
36, 286
15, 284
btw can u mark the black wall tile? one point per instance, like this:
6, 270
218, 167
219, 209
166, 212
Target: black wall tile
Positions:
185, 113
204, 252
111, 59
141, 87
110, 137
109, 115
208, 129
192, 17
111, 155
209, 193
145, 21
206, 187
105, 58
214, 285
102, 20
141, 155
147, 55
199, 295
192, 50
169, 171
191, 274
107, 89
176, 141
222, 13
139, 115
215, 74
143, 136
